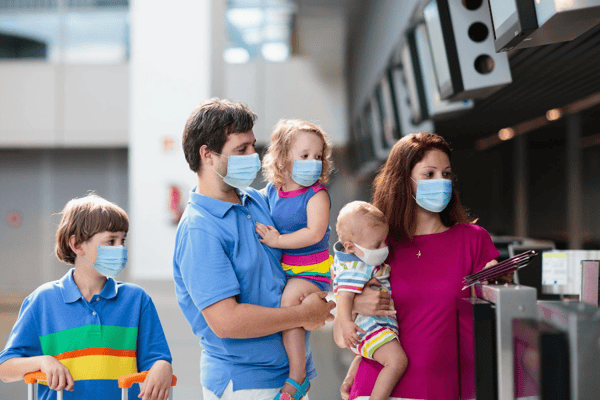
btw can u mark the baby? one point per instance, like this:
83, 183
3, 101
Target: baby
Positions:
359, 256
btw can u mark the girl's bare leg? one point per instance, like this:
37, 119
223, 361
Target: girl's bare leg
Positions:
293, 339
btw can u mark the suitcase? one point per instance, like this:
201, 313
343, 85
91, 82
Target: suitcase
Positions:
125, 383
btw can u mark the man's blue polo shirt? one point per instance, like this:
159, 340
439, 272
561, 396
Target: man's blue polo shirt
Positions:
116, 333
218, 255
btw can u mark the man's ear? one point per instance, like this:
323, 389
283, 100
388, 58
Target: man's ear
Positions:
76, 247
206, 156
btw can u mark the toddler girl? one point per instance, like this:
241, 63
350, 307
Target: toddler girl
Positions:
297, 164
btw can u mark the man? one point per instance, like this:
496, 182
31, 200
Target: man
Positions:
228, 284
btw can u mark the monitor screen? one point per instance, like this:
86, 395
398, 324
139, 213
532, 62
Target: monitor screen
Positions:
503, 11
408, 73
438, 48
386, 112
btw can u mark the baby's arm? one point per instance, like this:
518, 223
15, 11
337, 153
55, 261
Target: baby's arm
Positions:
58, 375
317, 213
349, 336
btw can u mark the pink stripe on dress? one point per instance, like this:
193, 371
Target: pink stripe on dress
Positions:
309, 259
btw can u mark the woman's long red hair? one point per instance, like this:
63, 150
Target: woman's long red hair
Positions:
393, 192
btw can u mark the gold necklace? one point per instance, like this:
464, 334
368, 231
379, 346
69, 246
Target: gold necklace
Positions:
436, 231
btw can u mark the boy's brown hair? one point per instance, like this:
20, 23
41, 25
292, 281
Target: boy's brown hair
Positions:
354, 216
83, 218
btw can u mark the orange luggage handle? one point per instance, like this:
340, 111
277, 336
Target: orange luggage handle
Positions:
126, 381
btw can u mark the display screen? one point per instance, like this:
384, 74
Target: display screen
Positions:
502, 11
438, 48
411, 83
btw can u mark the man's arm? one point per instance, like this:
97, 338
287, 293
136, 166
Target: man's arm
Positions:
229, 319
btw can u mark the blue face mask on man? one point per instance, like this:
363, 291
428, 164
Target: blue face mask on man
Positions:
306, 172
110, 260
433, 194
241, 170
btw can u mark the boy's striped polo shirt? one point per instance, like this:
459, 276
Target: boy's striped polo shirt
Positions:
116, 333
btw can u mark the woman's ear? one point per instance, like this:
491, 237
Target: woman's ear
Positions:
76, 247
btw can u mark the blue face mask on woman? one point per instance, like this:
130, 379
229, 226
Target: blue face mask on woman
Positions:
306, 172
241, 170
110, 260
433, 194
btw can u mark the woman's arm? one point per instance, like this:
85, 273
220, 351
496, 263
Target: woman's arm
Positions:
373, 301
317, 214
349, 379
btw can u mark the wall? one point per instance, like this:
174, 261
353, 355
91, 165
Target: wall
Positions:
51, 105
170, 74
308, 86
374, 30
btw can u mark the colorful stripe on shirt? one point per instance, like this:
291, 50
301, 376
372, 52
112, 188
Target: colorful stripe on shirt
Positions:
320, 269
94, 351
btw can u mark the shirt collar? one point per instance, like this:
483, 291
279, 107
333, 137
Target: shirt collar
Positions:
341, 254
218, 208
71, 293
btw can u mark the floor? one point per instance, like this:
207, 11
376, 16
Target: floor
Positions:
331, 362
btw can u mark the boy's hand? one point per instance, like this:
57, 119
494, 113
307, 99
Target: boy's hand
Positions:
158, 382
269, 235
58, 376
350, 333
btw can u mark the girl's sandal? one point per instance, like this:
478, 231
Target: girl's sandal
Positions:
300, 390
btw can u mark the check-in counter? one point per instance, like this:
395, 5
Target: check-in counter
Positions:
581, 323
485, 333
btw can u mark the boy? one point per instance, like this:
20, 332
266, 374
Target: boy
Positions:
359, 256
86, 330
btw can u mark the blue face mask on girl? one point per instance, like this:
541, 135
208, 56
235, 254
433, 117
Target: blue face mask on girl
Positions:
433, 194
306, 172
241, 170
110, 260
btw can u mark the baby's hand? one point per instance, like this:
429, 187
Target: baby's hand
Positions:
349, 332
269, 234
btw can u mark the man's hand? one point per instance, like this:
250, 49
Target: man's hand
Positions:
58, 376
317, 310
350, 333
158, 382
373, 301
269, 235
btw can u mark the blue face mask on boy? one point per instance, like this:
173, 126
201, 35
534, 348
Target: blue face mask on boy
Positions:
241, 170
110, 260
306, 172
433, 194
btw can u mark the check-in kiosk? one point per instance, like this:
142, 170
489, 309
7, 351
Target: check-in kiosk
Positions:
476, 343
541, 360
581, 323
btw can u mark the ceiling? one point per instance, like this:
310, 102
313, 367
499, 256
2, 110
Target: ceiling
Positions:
543, 78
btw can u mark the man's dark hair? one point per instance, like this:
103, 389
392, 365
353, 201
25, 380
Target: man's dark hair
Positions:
210, 124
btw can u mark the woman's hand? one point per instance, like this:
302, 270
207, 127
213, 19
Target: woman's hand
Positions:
58, 376
508, 278
269, 235
349, 379
373, 301
158, 382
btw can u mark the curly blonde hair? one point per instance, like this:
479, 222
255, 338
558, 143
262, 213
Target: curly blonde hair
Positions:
279, 150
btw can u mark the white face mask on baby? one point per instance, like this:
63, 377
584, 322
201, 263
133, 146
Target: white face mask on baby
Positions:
373, 257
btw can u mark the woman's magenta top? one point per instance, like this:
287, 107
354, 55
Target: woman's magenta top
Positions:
427, 274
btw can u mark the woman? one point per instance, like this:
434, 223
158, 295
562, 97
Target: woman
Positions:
433, 246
